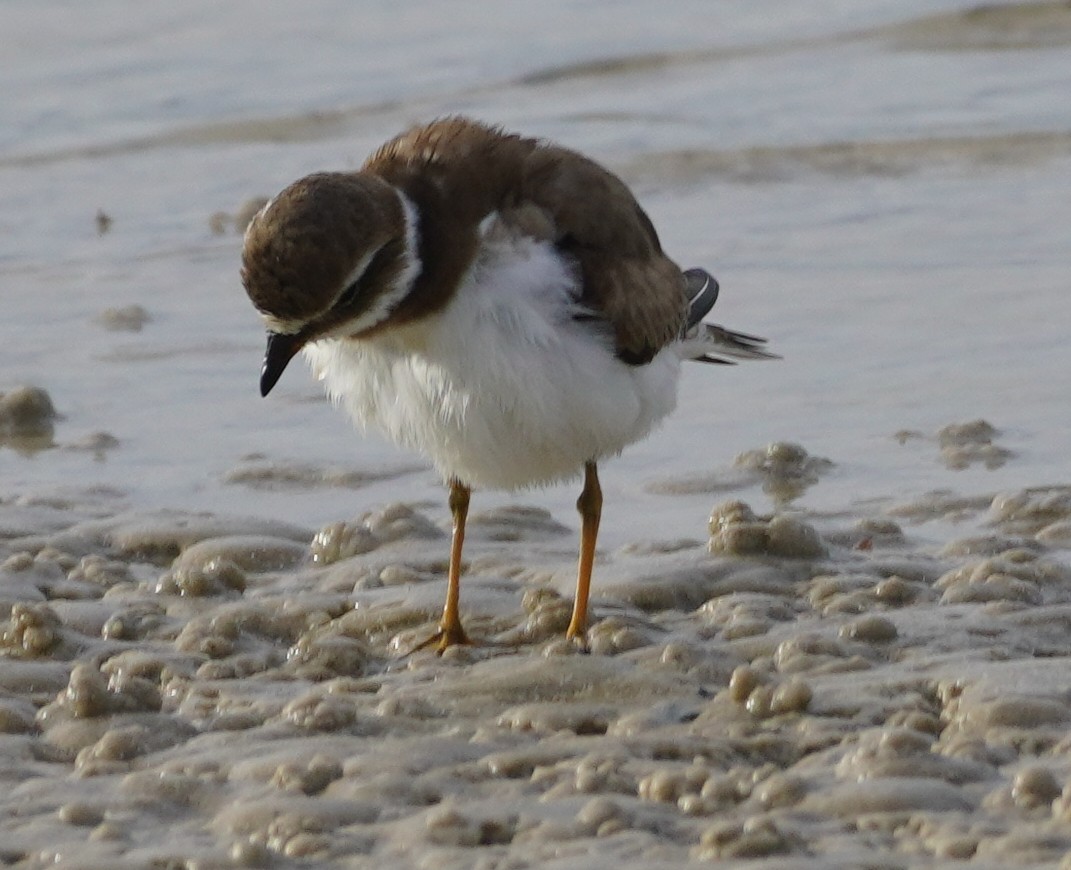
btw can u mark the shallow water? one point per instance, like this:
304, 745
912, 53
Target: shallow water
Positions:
882, 189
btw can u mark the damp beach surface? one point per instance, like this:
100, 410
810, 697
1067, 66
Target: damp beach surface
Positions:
833, 593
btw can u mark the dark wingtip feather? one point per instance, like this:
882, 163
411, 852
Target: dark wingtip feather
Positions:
715, 342
702, 289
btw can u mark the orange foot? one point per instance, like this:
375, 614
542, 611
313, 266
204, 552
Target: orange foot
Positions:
579, 639
447, 636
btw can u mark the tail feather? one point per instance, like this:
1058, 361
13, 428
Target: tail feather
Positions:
718, 342
705, 342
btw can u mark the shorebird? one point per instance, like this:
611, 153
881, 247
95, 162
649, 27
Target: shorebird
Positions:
497, 303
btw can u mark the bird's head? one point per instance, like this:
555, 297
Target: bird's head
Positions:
328, 257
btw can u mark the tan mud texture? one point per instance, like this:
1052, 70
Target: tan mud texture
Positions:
188, 690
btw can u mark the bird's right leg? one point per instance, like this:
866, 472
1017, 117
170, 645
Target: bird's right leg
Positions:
450, 632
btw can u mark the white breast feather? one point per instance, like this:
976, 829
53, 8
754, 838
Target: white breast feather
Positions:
504, 389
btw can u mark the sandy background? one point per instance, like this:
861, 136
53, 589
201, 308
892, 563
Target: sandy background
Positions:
833, 594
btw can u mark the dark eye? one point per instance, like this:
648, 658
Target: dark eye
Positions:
349, 295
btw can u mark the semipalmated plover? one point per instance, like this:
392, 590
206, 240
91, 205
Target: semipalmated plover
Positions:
497, 303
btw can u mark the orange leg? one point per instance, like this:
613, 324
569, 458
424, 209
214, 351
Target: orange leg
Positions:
590, 507
450, 631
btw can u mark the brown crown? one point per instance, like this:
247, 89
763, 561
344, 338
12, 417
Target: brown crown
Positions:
300, 249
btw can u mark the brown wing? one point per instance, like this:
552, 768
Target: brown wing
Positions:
626, 278
458, 171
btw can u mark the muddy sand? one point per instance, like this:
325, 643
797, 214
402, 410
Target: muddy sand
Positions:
795, 691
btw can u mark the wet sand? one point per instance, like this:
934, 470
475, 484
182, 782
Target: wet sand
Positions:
794, 691
851, 651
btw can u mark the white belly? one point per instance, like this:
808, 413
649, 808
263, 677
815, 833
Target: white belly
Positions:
504, 389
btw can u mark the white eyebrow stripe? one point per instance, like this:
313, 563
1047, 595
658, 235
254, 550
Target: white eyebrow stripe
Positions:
389, 297
355, 274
